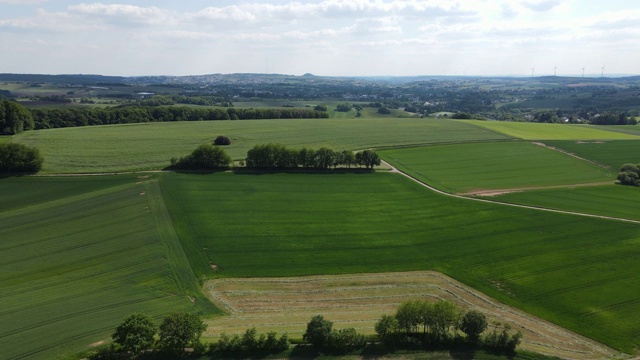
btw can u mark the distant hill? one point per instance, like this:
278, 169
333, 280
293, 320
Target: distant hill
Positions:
64, 79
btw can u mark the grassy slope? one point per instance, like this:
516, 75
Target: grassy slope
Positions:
539, 131
610, 153
467, 167
556, 266
151, 146
611, 200
74, 263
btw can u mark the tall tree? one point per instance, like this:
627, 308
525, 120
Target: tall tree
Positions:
473, 324
14, 118
181, 330
318, 332
135, 334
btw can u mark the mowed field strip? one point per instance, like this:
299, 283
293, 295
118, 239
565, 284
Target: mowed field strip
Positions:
358, 301
475, 167
613, 154
151, 146
578, 272
542, 131
78, 255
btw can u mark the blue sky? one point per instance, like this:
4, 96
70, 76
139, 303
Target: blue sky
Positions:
330, 37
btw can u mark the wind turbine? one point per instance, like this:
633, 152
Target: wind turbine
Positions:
583, 71
532, 70
602, 74
554, 70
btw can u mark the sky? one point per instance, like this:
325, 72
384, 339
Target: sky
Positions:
326, 37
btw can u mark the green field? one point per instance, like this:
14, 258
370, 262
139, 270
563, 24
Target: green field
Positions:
484, 166
77, 255
613, 154
610, 200
540, 131
151, 146
578, 272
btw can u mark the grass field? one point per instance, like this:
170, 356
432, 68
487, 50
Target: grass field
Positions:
578, 272
503, 165
151, 146
540, 131
610, 200
613, 154
74, 260
358, 301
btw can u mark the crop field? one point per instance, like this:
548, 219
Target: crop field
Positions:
613, 154
151, 146
77, 255
609, 200
552, 265
473, 167
358, 301
540, 131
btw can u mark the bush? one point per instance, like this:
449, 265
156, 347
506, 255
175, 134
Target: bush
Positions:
253, 344
344, 107
18, 158
629, 175
383, 110
320, 108
345, 340
204, 157
222, 140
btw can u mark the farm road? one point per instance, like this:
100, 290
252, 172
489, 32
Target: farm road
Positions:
393, 169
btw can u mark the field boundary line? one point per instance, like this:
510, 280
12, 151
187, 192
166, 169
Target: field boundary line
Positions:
530, 207
562, 151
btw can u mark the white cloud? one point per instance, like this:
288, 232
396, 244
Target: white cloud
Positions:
124, 14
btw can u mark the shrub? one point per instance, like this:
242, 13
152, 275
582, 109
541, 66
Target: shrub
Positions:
320, 108
18, 158
222, 140
629, 175
204, 157
383, 110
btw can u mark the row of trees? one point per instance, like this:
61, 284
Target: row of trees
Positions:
138, 332
18, 158
70, 117
204, 157
438, 324
277, 156
251, 343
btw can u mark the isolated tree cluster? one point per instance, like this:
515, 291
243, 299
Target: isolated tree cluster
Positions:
277, 156
437, 323
629, 175
18, 158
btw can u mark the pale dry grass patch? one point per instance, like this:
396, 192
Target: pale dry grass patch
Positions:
287, 304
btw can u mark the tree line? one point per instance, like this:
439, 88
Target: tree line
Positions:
418, 324
70, 117
277, 156
273, 156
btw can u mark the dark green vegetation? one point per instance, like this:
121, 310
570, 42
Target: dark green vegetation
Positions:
629, 175
553, 265
14, 118
473, 167
277, 156
78, 254
18, 158
150, 146
46, 118
204, 157
436, 324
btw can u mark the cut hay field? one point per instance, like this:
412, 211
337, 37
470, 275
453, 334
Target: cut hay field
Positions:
578, 272
541, 131
462, 168
77, 255
613, 154
358, 301
609, 200
151, 146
